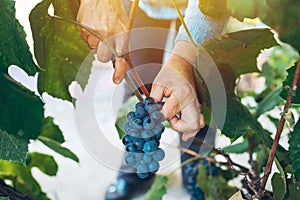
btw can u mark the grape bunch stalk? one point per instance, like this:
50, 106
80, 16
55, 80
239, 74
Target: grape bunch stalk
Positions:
143, 130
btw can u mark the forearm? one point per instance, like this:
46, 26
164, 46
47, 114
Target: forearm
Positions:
201, 27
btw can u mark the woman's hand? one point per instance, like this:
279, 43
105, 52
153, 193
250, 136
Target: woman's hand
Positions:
176, 81
109, 19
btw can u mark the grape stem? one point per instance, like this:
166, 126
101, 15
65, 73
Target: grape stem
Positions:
127, 56
289, 99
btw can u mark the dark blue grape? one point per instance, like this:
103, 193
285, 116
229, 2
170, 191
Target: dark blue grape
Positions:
147, 158
142, 168
138, 124
126, 127
146, 134
140, 113
133, 133
142, 175
148, 100
129, 159
139, 143
154, 107
157, 136
153, 166
158, 155
139, 105
159, 128
126, 139
130, 148
130, 116
157, 116
150, 146
148, 123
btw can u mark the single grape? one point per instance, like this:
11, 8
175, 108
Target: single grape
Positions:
158, 155
130, 116
129, 159
133, 133
142, 175
150, 146
159, 128
157, 116
153, 166
139, 143
146, 134
127, 127
148, 123
139, 105
147, 158
126, 139
142, 168
157, 136
154, 107
138, 124
148, 100
130, 148
140, 112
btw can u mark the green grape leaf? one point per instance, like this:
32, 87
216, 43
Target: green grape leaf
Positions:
22, 112
51, 130
237, 148
13, 46
158, 188
294, 191
269, 102
22, 176
239, 50
13, 148
278, 185
294, 148
239, 121
56, 146
287, 85
43, 162
214, 187
59, 49
288, 26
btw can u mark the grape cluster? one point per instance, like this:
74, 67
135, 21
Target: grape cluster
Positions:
191, 171
143, 130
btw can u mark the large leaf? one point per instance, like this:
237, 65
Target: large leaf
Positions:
278, 186
158, 188
51, 130
59, 49
269, 102
237, 148
295, 150
287, 85
22, 111
273, 13
13, 46
56, 146
13, 148
22, 178
239, 50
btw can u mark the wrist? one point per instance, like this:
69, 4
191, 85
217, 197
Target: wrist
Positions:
186, 51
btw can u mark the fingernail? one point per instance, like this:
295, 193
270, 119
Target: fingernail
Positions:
117, 81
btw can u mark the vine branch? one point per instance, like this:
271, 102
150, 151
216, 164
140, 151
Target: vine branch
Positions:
292, 90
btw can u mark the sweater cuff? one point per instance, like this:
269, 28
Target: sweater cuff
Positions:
201, 27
